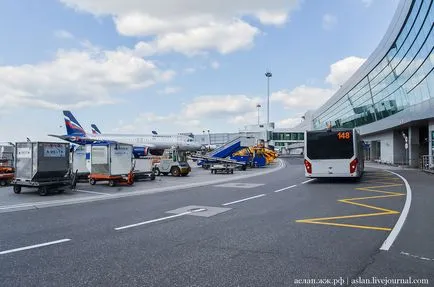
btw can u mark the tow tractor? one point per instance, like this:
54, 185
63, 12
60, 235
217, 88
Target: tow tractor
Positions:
173, 161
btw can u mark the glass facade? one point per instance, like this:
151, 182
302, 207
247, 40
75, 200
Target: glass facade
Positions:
404, 77
290, 136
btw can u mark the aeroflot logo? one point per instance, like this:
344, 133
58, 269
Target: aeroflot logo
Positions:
122, 148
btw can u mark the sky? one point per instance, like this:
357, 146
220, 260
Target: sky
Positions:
133, 66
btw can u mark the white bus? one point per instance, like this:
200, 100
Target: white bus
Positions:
333, 153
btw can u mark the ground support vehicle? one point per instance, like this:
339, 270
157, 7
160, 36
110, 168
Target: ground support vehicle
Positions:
6, 164
6, 176
222, 168
111, 162
174, 162
143, 168
209, 161
42, 165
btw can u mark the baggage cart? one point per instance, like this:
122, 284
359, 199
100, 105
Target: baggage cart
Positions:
222, 168
42, 165
143, 168
112, 163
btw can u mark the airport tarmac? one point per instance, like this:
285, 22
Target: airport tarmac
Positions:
276, 229
30, 199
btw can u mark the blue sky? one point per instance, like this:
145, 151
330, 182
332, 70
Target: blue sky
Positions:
176, 66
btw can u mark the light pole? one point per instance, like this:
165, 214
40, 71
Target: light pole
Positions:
268, 74
209, 141
258, 106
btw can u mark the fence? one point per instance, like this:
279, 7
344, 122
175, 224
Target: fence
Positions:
428, 163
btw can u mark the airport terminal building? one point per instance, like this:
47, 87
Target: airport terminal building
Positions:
390, 98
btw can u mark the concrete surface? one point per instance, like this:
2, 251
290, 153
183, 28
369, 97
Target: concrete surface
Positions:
30, 199
274, 234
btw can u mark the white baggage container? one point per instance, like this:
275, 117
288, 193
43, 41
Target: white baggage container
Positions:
143, 168
111, 159
79, 162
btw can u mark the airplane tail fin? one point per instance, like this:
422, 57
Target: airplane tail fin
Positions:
73, 127
95, 129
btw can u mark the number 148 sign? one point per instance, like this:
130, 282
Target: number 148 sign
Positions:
344, 135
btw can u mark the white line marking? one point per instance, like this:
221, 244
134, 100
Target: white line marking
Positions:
159, 219
401, 220
93, 192
309, 180
244, 199
34, 246
282, 189
415, 256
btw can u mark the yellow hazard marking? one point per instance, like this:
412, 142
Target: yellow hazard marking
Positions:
380, 182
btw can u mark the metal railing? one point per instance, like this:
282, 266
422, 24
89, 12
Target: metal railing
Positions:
428, 163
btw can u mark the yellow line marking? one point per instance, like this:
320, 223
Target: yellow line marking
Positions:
343, 217
351, 225
383, 211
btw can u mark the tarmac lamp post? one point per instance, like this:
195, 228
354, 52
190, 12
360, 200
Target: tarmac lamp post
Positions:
209, 141
268, 74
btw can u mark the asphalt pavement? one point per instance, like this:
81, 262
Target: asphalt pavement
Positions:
276, 229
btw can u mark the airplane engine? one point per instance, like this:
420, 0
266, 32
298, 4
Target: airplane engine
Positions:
156, 152
140, 151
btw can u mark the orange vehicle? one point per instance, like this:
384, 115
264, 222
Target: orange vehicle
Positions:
112, 179
6, 175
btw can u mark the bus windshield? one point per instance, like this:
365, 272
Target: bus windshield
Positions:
330, 145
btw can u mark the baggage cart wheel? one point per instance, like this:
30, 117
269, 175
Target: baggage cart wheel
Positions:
3, 182
232, 171
92, 181
112, 183
176, 171
17, 189
157, 171
43, 190
153, 176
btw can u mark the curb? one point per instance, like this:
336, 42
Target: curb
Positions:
38, 205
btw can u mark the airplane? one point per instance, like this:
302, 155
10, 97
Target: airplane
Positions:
95, 129
142, 144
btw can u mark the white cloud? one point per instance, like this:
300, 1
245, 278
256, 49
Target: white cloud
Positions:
77, 78
224, 38
219, 106
63, 34
215, 65
169, 90
302, 97
308, 97
277, 18
289, 122
190, 26
223, 109
329, 21
343, 69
